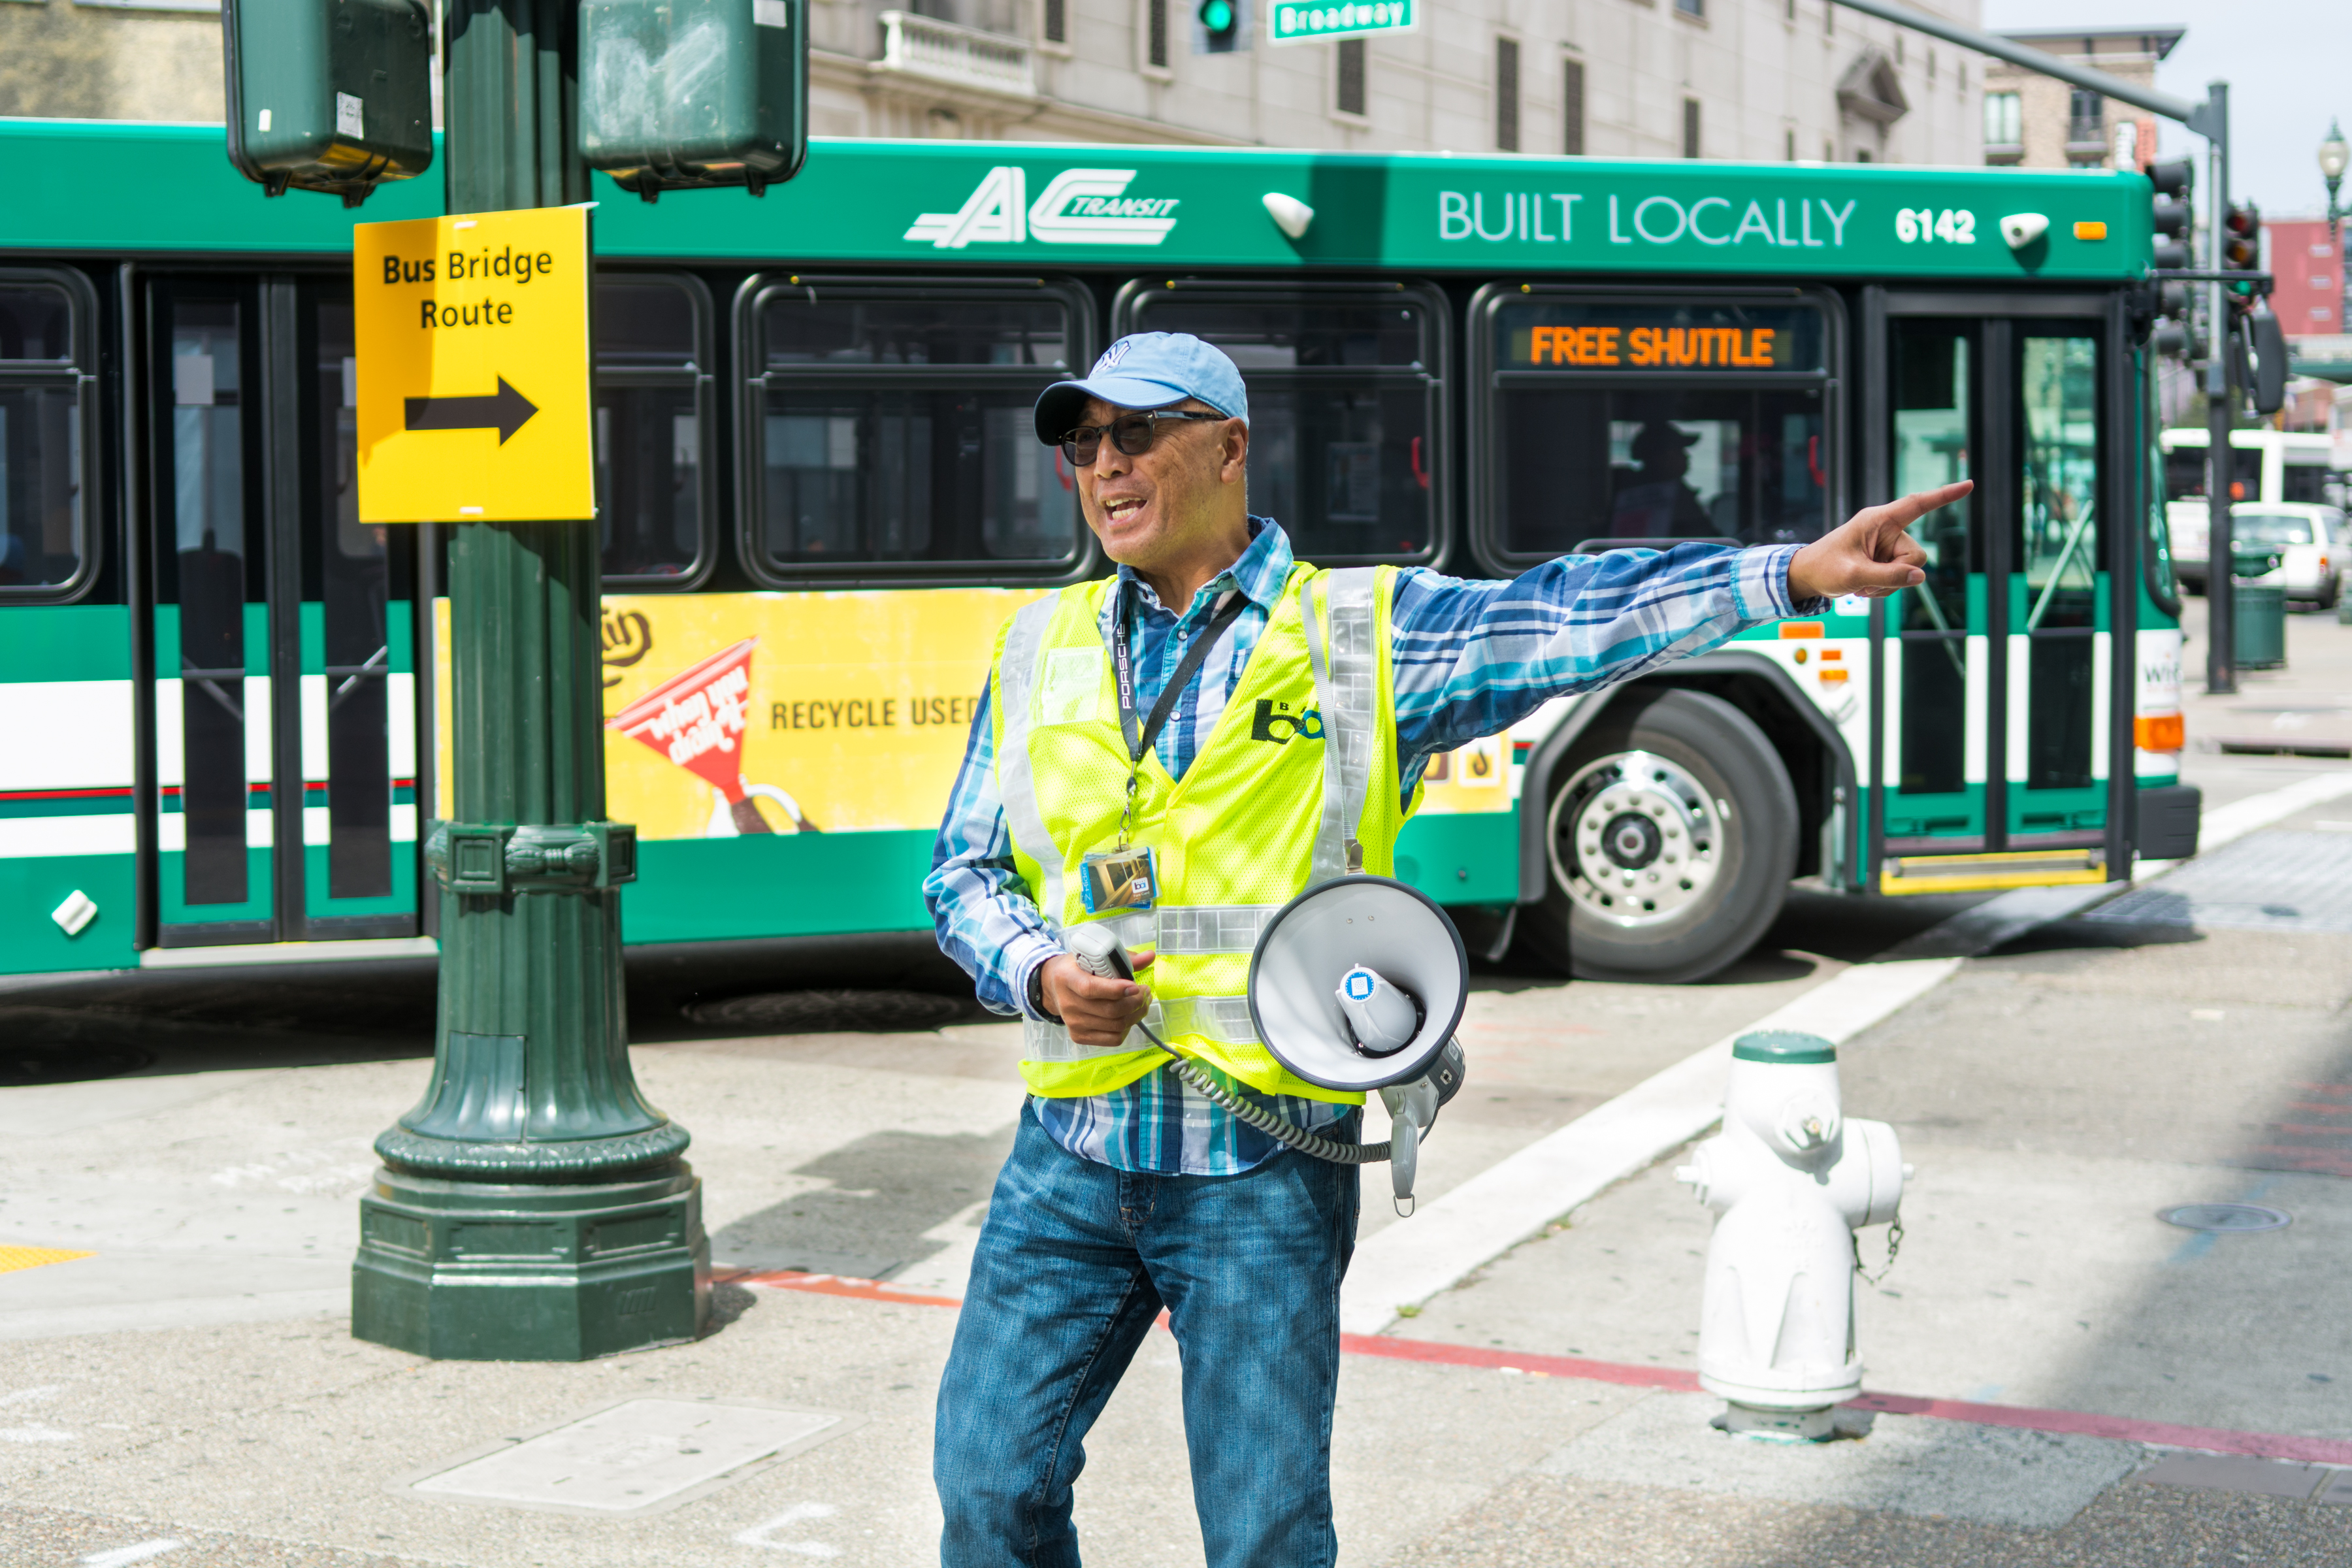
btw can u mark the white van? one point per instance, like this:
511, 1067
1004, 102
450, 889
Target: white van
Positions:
2311, 544
2272, 467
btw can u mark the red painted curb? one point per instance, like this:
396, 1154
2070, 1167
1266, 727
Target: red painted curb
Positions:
827, 1285
2158, 1434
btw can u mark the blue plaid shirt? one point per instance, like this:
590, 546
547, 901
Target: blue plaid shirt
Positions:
1470, 659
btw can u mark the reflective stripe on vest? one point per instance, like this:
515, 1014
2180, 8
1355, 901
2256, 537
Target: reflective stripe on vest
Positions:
1225, 1018
1346, 691
1017, 688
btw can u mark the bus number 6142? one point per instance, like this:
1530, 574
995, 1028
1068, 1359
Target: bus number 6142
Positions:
1923, 225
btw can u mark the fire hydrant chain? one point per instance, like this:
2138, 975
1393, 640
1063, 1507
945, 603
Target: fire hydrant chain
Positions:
1894, 1245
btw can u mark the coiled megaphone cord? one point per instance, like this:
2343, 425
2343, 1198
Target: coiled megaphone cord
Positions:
1265, 1120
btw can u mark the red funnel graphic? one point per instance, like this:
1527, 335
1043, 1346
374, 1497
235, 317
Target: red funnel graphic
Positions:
697, 719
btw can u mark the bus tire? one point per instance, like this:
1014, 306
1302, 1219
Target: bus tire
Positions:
1671, 837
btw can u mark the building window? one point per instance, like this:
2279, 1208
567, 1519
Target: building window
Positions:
2087, 117
1862, 155
1691, 7
1790, 13
1829, 18
1829, 151
1931, 62
1507, 94
1351, 75
1156, 32
1571, 108
1057, 21
1898, 48
1964, 74
1690, 127
2004, 119
1789, 147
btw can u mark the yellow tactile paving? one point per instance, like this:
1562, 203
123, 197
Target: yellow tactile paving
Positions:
15, 1257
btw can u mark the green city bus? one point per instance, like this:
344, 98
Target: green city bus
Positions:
223, 696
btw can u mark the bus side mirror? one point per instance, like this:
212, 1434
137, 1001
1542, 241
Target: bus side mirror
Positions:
2267, 341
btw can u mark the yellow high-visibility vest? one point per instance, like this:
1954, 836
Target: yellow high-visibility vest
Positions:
1295, 783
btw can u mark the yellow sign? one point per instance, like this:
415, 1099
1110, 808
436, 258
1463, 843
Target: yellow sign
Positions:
474, 379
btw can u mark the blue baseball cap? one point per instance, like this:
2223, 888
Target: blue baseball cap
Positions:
1146, 369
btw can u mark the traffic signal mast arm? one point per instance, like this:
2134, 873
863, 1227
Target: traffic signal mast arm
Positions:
2209, 120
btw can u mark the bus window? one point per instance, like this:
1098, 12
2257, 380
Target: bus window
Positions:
42, 461
1343, 389
1933, 429
2058, 548
653, 388
889, 426
2304, 482
2184, 473
1651, 420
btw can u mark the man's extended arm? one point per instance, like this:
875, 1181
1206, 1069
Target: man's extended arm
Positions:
1473, 658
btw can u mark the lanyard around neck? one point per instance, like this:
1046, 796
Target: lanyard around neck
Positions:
1140, 734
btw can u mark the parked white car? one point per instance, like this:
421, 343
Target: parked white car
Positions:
2311, 542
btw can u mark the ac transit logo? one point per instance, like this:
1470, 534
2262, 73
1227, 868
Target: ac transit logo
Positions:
1081, 207
1276, 722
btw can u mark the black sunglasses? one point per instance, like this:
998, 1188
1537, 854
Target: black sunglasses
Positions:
1130, 433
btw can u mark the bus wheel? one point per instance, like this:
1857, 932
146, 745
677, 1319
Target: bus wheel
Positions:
1672, 839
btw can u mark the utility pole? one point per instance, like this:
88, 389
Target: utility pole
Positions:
2220, 407
532, 1206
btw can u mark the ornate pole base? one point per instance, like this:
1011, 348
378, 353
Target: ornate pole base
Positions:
466, 1271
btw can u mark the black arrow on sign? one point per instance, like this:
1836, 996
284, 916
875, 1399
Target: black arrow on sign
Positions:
507, 413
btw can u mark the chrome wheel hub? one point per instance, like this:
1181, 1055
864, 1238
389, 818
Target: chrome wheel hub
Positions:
1635, 839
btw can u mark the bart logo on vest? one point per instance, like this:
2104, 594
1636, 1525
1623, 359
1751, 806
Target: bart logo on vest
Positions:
1278, 721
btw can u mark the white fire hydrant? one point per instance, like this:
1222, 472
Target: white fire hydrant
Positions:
1790, 1180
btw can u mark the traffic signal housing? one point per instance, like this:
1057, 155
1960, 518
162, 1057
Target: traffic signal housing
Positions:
332, 95
2174, 220
1220, 26
688, 94
2242, 239
2171, 218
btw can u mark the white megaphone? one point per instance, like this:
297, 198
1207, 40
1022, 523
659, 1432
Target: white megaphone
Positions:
1358, 983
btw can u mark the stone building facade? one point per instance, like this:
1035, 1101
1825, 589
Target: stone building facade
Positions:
1768, 79
75, 60
2035, 121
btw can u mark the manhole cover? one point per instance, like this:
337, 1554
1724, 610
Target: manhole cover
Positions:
828, 1012
21, 1065
2225, 1216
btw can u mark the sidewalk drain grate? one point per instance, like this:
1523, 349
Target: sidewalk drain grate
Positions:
2226, 1216
636, 1457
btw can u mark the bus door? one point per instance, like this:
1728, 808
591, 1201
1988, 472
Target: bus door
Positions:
1996, 693
281, 694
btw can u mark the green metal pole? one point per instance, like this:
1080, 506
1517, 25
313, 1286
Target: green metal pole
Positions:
532, 1206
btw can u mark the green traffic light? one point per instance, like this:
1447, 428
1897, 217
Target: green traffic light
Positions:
1217, 16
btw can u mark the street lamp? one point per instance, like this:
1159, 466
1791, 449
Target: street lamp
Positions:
2334, 155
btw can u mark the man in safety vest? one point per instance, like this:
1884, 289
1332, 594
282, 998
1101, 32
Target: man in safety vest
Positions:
1151, 751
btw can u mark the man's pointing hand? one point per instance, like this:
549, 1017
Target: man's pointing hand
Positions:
1872, 554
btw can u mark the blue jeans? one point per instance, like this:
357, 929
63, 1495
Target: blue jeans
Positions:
1074, 1262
